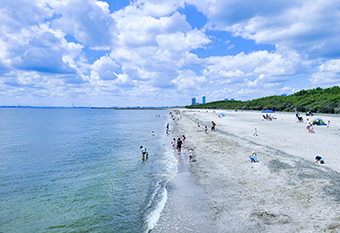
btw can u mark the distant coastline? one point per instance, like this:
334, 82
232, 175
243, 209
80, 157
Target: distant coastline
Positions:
116, 108
46, 107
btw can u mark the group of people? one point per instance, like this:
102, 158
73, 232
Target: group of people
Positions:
213, 125
254, 158
179, 143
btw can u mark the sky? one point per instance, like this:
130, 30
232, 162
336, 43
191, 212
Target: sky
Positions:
164, 52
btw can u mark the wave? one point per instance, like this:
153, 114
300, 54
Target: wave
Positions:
160, 195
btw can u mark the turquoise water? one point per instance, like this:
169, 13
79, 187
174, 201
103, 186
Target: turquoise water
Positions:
80, 170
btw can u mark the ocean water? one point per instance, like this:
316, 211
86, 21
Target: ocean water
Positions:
81, 170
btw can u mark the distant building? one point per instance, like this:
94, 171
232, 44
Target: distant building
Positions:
226, 99
203, 99
232, 99
284, 95
193, 101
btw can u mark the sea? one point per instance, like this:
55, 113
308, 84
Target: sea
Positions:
81, 170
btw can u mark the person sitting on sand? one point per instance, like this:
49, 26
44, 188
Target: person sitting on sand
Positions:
311, 128
253, 157
319, 159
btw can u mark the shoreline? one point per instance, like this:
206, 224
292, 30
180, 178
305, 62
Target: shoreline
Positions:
186, 209
286, 191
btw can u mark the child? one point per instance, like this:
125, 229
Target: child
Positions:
206, 129
183, 140
255, 133
173, 143
190, 154
146, 153
198, 127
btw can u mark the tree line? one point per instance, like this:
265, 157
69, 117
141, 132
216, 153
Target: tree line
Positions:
316, 100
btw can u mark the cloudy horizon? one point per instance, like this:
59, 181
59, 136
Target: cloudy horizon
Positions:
163, 53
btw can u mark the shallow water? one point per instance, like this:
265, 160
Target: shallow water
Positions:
64, 170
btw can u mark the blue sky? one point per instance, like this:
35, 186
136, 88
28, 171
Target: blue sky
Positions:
163, 53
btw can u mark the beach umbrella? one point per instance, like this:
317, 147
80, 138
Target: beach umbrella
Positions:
268, 111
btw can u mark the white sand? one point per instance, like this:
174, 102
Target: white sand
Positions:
286, 191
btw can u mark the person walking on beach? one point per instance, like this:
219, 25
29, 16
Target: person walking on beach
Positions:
179, 145
190, 154
198, 127
213, 124
255, 133
173, 143
143, 152
206, 129
183, 140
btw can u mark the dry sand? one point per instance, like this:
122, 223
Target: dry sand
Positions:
285, 192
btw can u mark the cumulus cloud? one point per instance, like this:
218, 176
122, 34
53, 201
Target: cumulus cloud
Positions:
327, 73
187, 79
304, 26
104, 68
82, 50
90, 22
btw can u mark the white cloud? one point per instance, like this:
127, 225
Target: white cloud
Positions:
88, 21
304, 26
79, 49
327, 73
187, 79
104, 69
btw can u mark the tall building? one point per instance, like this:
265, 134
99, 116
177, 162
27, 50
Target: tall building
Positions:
193, 101
203, 99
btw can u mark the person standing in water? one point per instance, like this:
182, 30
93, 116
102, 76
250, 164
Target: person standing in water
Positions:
143, 152
190, 154
174, 143
183, 140
179, 145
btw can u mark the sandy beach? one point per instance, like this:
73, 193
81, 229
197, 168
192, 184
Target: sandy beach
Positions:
286, 191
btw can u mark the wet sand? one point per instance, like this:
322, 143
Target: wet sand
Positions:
285, 192
186, 209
